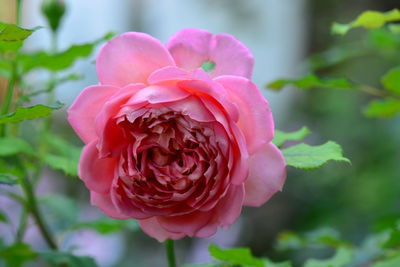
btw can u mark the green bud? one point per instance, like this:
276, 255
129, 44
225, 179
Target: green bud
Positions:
53, 10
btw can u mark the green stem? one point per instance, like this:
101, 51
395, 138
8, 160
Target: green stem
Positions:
169, 247
9, 96
23, 222
34, 210
19, 12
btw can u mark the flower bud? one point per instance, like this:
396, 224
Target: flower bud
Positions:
53, 10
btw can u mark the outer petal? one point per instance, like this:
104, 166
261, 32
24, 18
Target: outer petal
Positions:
227, 211
130, 58
255, 116
267, 175
103, 201
97, 173
85, 108
205, 224
192, 47
152, 228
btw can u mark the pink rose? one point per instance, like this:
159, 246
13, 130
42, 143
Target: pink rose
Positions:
179, 149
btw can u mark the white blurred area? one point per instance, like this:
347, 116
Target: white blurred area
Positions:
274, 30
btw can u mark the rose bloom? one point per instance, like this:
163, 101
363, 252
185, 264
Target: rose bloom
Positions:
179, 149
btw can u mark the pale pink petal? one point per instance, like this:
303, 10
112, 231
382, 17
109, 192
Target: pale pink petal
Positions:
97, 173
255, 116
152, 228
82, 113
213, 92
192, 47
130, 58
174, 74
103, 201
154, 94
267, 175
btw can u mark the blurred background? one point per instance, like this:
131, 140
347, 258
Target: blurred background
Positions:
282, 35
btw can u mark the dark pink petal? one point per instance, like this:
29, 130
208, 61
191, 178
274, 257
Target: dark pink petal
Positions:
267, 175
255, 116
192, 47
187, 224
226, 212
82, 113
103, 201
152, 228
130, 58
110, 136
97, 173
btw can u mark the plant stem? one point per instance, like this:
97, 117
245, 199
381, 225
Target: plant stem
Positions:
9, 96
169, 247
23, 221
19, 12
34, 210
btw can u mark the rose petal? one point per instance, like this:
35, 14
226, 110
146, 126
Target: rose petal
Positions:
188, 224
130, 58
103, 201
267, 175
110, 134
226, 212
255, 116
152, 228
87, 105
174, 74
192, 47
154, 94
97, 173
205, 224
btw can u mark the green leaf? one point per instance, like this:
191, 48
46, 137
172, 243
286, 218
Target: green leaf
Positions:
390, 262
326, 237
289, 240
30, 113
391, 80
368, 20
306, 157
394, 28
342, 257
212, 264
17, 254
8, 179
58, 258
208, 66
384, 108
12, 33
310, 81
394, 239
68, 165
240, 256
281, 137
107, 225
268, 263
61, 60
63, 155
11, 146
3, 217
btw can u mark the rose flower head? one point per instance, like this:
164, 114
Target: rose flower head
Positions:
177, 148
